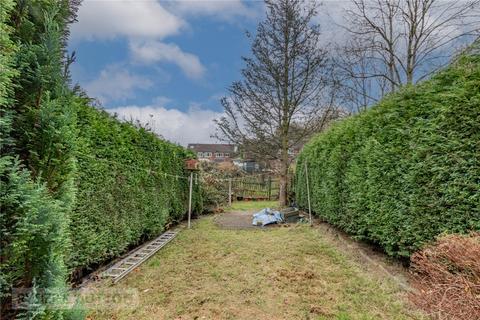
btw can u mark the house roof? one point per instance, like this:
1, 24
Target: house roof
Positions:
211, 147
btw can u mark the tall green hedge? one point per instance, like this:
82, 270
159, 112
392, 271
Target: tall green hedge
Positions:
77, 186
406, 170
123, 194
36, 160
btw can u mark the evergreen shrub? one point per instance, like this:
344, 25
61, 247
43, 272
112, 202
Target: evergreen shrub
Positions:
406, 170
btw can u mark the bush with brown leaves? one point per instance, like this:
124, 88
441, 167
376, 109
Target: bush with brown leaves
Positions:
447, 278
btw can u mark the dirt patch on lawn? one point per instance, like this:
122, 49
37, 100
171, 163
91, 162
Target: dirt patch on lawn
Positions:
238, 220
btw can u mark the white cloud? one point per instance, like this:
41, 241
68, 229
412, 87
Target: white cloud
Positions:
116, 83
156, 51
331, 17
161, 101
143, 24
195, 125
222, 9
108, 19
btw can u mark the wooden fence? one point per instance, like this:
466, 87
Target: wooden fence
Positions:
255, 188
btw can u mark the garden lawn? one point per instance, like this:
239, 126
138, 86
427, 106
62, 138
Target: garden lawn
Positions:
252, 205
279, 273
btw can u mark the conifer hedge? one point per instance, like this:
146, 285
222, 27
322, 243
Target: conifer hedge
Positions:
35, 193
406, 170
126, 189
77, 186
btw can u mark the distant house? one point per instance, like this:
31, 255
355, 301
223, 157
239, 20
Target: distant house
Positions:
213, 152
220, 153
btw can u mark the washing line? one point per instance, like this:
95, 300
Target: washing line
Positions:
172, 175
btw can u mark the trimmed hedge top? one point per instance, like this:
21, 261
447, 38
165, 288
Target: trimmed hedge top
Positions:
406, 170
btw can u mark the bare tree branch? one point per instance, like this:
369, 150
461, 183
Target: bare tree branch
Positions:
402, 41
282, 98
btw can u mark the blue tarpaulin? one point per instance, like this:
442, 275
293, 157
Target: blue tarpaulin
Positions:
267, 216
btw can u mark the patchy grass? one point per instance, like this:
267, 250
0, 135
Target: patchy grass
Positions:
251, 205
282, 273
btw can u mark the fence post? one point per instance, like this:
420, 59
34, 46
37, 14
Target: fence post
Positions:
308, 194
230, 192
190, 200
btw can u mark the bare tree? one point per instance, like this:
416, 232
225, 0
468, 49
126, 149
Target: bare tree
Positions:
357, 88
405, 41
283, 87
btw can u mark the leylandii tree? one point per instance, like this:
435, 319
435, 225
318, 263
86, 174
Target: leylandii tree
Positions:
37, 162
280, 101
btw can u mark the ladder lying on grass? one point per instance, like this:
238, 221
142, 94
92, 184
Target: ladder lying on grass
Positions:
120, 269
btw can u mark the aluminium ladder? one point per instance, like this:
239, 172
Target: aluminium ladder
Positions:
123, 267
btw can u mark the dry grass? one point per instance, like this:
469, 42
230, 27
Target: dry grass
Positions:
282, 273
252, 205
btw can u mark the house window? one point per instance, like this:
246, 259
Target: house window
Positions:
227, 155
200, 154
208, 154
217, 155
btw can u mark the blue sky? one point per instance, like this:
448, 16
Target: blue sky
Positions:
165, 63
168, 63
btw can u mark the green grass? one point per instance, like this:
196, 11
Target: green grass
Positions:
285, 273
252, 205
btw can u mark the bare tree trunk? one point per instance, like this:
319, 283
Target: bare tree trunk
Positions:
281, 100
283, 195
